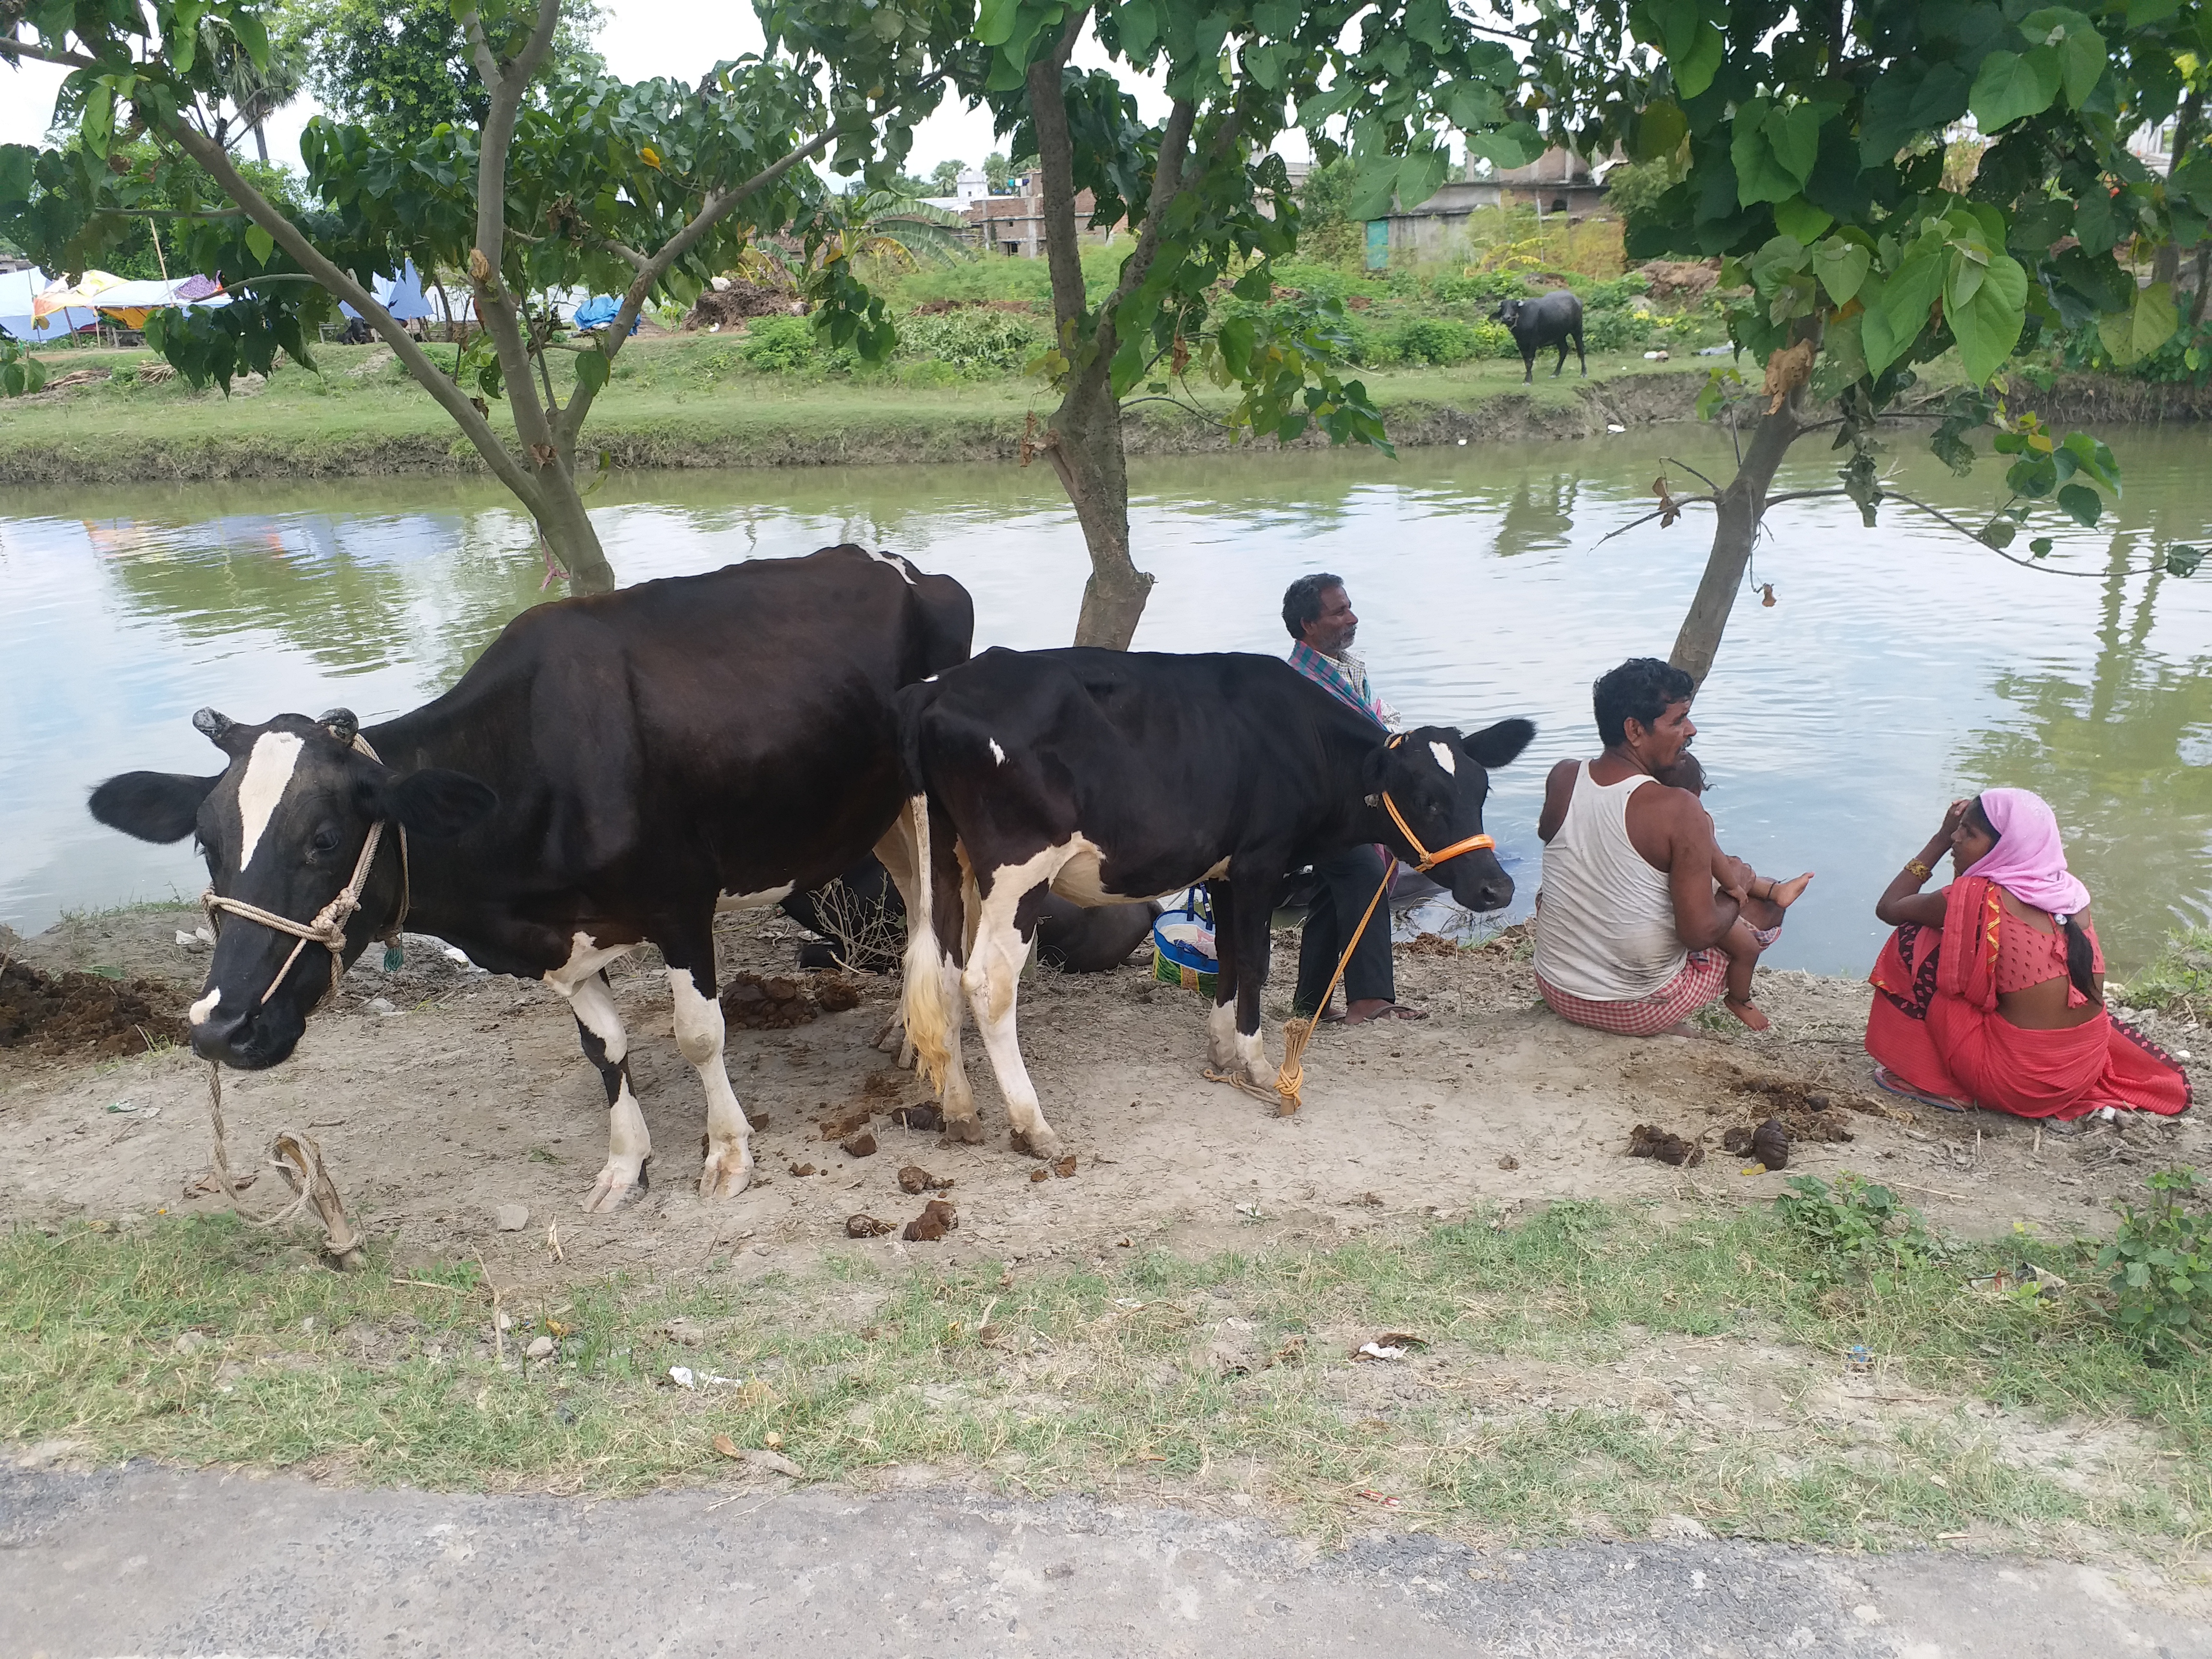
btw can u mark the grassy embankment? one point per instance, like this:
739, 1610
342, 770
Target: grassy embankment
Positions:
1420, 338
1553, 1397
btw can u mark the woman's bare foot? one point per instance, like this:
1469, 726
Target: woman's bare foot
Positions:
1787, 893
1747, 1012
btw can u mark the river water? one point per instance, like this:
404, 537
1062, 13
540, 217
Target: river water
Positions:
1896, 668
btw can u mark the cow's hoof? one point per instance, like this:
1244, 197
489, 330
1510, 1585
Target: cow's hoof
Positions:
727, 1173
1043, 1144
968, 1131
617, 1183
891, 1035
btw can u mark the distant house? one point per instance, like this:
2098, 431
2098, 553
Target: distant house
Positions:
1558, 181
1013, 224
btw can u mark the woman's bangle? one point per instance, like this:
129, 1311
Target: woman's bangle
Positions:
1915, 867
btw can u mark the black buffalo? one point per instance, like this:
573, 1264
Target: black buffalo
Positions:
1548, 319
609, 772
1109, 776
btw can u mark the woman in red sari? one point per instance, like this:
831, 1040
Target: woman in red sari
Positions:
1991, 992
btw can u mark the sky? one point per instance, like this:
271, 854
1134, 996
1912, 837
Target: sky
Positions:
642, 39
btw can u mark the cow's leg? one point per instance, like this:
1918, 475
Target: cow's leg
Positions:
728, 1170
1528, 365
1562, 364
1004, 931
606, 1045
1581, 357
1249, 921
1221, 1018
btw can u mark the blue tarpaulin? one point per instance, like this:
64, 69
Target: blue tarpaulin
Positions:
598, 311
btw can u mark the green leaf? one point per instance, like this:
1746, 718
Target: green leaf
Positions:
1420, 174
1799, 218
1842, 267
1694, 72
16, 162
2081, 49
97, 121
2183, 561
2080, 502
2137, 333
2094, 457
1514, 145
593, 369
1794, 134
2010, 87
261, 242
1235, 343
1987, 325
994, 21
2041, 547
1659, 131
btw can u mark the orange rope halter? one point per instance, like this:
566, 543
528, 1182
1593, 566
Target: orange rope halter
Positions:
1298, 1033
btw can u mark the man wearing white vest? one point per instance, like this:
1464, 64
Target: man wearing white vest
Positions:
1629, 919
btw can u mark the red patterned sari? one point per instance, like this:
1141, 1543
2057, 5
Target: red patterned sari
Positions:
1934, 1026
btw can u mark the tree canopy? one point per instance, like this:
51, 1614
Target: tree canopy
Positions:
1812, 141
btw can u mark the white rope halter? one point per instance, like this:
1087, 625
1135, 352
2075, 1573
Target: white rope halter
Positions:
328, 928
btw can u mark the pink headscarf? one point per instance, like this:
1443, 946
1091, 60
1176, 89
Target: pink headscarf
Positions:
2029, 861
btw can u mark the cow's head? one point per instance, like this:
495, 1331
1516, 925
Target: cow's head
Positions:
282, 827
1437, 780
1509, 313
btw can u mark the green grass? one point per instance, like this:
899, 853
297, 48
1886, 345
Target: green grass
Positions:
678, 401
1104, 1379
2179, 977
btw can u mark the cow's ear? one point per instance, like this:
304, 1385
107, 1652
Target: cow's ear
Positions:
1500, 744
434, 804
1374, 771
158, 806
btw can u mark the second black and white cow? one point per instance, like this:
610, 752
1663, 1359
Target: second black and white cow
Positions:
609, 772
1108, 775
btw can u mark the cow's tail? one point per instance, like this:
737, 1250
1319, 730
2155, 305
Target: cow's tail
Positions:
927, 995
928, 1008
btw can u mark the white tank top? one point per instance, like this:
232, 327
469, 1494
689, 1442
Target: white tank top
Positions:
1605, 919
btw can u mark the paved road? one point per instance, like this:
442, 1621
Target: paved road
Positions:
146, 1561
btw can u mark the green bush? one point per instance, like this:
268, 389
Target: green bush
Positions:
1614, 331
973, 343
2161, 1264
2179, 975
781, 344
1852, 1221
1440, 340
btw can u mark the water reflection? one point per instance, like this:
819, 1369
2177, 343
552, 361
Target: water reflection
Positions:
1900, 668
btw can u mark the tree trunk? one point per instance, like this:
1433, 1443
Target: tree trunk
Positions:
1735, 532
261, 143
2203, 283
566, 528
1087, 454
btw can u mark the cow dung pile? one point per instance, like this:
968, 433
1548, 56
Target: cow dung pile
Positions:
1650, 1140
85, 1014
725, 307
777, 1003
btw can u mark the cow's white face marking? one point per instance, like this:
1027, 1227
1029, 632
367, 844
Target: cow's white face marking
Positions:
753, 901
895, 563
998, 755
1444, 754
198, 1012
268, 775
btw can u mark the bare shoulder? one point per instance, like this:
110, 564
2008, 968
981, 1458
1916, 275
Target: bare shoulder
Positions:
1561, 777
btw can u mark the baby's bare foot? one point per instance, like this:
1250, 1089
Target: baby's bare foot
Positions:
1747, 1012
1787, 893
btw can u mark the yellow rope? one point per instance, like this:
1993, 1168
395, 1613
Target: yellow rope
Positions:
1298, 1033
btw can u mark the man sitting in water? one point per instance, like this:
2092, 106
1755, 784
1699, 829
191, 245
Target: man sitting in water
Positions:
1318, 614
1631, 916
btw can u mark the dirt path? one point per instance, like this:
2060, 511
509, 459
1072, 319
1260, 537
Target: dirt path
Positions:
441, 1094
97, 1564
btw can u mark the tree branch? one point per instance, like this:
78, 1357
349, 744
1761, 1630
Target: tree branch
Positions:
313, 262
1056, 162
1167, 180
505, 84
1674, 508
1948, 522
20, 49
1672, 460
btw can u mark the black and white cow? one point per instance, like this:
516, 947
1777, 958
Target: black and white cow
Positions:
610, 771
1110, 776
